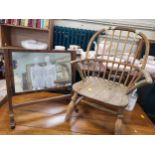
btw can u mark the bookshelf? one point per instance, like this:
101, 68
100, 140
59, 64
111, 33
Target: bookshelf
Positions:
27, 27
12, 34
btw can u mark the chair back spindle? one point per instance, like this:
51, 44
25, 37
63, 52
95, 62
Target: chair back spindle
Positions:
115, 54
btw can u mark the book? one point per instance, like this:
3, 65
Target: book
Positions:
38, 23
30, 22
46, 23
2, 21
42, 23
26, 22
22, 22
18, 22
34, 23
13, 21
6, 21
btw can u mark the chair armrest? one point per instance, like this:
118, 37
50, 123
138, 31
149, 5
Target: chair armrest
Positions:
146, 81
76, 61
147, 76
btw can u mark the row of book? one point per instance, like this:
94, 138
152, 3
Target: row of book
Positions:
35, 23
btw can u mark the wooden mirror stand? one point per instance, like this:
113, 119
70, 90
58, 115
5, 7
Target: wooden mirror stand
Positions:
10, 83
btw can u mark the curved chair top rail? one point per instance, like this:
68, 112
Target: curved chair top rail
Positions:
121, 29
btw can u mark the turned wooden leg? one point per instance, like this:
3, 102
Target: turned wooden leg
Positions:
12, 121
118, 124
11, 114
77, 101
71, 106
8, 75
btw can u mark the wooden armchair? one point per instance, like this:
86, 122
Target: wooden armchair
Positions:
111, 73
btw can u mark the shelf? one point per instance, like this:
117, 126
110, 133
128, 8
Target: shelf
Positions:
11, 47
21, 49
24, 27
15, 48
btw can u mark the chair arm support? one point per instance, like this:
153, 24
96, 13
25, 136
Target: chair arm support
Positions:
146, 81
80, 72
75, 62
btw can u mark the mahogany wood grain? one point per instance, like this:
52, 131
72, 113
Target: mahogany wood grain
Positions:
48, 119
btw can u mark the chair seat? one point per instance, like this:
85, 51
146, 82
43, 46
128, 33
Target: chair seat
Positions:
102, 90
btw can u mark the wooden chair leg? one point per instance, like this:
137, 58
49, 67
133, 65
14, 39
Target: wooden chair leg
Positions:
76, 103
71, 106
119, 124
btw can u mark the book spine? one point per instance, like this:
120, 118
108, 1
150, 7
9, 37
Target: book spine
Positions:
42, 23
6, 21
12, 21
15, 21
18, 21
30, 22
38, 23
46, 24
22, 22
26, 22
34, 23
2, 21
9, 21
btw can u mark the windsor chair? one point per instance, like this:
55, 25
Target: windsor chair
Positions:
111, 74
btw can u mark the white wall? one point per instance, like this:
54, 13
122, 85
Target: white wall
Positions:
147, 26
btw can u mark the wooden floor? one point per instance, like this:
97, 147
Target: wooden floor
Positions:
48, 118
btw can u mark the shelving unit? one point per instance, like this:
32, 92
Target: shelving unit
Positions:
12, 35
10, 39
